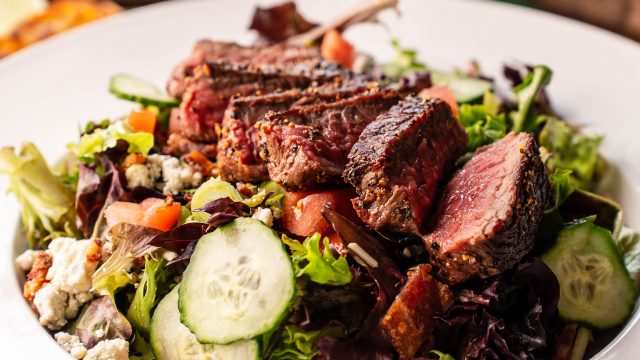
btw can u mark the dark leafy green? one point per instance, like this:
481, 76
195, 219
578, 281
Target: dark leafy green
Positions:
524, 118
482, 122
298, 344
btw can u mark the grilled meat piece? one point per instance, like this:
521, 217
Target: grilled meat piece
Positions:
213, 84
490, 211
409, 322
238, 152
399, 161
178, 145
307, 148
205, 51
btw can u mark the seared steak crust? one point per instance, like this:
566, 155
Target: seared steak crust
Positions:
205, 51
238, 153
307, 148
490, 211
409, 321
399, 161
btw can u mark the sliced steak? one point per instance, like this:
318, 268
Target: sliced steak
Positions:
307, 148
205, 51
213, 84
178, 145
399, 161
238, 153
490, 211
409, 322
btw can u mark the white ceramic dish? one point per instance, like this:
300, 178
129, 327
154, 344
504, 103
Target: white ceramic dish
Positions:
48, 89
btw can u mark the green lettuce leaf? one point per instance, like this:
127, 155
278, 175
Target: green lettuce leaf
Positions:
482, 122
524, 119
297, 344
102, 139
571, 151
441, 355
320, 266
145, 299
47, 203
562, 188
404, 62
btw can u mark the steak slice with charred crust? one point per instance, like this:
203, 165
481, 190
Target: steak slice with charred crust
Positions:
205, 51
399, 161
238, 153
409, 322
307, 148
213, 84
489, 213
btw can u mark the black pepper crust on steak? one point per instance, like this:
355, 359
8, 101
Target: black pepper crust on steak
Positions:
399, 161
490, 211
306, 148
238, 153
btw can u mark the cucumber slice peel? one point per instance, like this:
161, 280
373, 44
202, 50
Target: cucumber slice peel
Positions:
130, 88
170, 340
595, 287
239, 284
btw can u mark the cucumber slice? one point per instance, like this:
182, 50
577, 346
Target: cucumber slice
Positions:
170, 340
465, 89
238, 285
595, 286
133, 89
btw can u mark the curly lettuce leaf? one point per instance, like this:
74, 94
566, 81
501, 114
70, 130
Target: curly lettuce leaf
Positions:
153, 280
524, 119
102, 139
441, 355
297, 344
571, 151
47, 203
319, 265
405, 61
131, 242
482, 122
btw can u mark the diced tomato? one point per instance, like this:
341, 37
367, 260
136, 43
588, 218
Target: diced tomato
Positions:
335, 48
303, 210
441, 92
142, 120
155, 213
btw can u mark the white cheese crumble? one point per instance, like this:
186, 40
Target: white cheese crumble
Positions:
163, 172
116, 349
26, 259
71, 344
265, 215
70, 270
51, 303
69, 282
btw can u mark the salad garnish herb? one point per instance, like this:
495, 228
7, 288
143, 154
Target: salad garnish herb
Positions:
320, 265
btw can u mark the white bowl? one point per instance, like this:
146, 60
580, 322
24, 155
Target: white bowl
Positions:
47, 90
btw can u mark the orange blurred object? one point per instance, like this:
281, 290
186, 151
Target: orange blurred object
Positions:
441, 92
142, 120
61, 15
335, 48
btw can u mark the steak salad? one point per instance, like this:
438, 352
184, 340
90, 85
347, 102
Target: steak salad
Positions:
292, 199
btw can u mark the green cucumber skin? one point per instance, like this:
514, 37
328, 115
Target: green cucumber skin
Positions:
155, 325
182, 301
114, 88
600, 239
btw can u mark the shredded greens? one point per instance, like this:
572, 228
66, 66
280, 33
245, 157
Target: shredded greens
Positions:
102, 139
482, 122
524, 119
297, 344
154, 276
319, 265
47, 203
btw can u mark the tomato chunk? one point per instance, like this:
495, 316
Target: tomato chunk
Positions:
142, 120
335, 48
441, 92
154, 213
303, 210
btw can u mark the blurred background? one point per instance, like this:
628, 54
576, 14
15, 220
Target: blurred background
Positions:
24, 22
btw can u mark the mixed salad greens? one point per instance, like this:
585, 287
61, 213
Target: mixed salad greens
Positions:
190, 266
